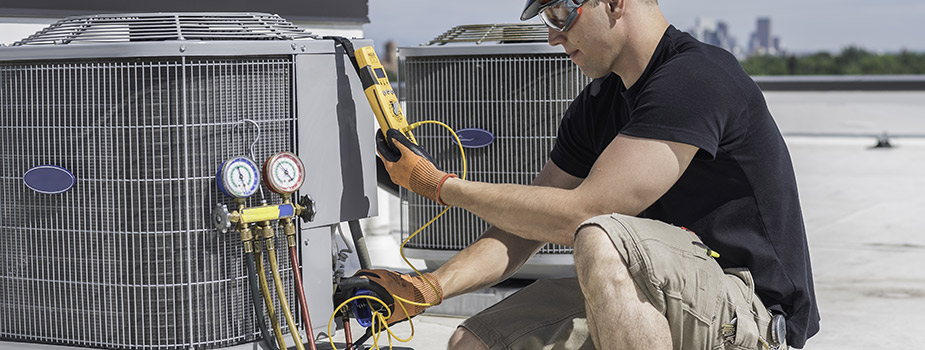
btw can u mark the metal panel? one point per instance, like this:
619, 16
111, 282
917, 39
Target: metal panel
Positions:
519, 97
335, 141
336, 133
127, 258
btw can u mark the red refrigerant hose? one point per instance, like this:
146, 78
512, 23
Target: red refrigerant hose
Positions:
347, 336
293, 257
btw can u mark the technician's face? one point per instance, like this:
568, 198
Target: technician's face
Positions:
586, 42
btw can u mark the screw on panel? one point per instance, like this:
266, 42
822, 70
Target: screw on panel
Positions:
293, 46
182, 48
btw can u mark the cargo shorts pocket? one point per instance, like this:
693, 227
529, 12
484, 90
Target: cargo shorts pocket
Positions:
742, 318
672, 268
738, 330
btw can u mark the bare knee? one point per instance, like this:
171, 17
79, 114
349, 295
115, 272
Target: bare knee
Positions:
462, 338
591, 244
596, 257
588, 240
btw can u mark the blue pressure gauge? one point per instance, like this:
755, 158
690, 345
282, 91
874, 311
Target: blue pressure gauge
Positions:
238, 177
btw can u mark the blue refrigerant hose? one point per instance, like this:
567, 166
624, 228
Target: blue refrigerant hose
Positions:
258, 309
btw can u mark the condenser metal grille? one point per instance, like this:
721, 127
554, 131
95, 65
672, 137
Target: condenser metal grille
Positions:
166, 26
483, 33
519, 98
128, 257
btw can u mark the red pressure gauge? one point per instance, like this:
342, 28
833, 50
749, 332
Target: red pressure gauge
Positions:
283, 173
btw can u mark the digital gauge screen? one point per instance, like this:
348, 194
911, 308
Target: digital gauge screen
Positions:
283, 173
238, 177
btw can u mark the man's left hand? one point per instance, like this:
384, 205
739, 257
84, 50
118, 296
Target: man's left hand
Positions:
386, 285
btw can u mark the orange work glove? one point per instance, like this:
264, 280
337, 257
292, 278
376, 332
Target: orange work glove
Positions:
410, 166
385, 283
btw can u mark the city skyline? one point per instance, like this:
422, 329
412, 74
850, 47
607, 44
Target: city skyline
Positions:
803, 27
761, 41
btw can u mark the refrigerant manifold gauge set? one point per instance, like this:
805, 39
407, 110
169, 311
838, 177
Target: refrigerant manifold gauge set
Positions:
240, 178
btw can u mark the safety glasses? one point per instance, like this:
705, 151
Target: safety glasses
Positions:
561, 14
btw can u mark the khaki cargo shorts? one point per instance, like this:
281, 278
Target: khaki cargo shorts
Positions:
706, 307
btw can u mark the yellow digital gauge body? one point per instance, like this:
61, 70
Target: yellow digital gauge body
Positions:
379, 92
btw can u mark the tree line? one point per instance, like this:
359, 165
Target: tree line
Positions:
850, 61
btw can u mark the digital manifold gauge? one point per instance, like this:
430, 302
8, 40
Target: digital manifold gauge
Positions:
238, 177
283, 173
379, 92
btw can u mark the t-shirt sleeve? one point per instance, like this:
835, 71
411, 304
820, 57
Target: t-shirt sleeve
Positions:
574, 152
686, 103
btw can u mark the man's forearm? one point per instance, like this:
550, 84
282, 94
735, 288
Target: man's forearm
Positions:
495, 256
538, 213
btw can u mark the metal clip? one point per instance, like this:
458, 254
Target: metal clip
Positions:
729, 331
778, 330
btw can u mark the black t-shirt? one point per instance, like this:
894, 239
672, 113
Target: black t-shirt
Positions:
738, 194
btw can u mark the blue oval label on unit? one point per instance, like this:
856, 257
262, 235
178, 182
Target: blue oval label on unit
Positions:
49, 179
475, 137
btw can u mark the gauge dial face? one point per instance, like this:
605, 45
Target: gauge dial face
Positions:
283, 173
239, 177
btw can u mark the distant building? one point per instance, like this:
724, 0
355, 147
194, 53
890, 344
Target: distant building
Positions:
389, 57
763, 42
715, 33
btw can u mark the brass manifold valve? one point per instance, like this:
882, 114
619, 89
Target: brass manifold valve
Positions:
224, 220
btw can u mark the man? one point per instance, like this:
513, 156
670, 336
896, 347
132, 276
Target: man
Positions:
671, 133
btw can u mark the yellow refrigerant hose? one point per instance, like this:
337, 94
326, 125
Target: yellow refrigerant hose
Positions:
379, 319
274, 270
264, 288
247, 238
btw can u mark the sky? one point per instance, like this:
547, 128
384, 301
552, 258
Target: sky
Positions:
803, 26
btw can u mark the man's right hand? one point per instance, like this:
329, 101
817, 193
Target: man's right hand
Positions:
410, 166
385, 284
